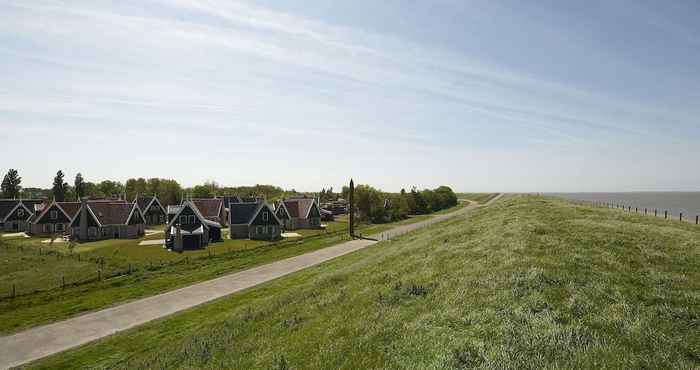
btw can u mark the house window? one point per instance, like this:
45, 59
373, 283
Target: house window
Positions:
54, 215
48, 228
259, 230
59, 227
192, 219
92, 231
183, 220
265, 216
20, 213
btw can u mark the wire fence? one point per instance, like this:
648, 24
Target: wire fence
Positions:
656, 212
105, 270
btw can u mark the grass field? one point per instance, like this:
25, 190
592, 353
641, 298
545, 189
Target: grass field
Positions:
477, 197
529, 283
153, 270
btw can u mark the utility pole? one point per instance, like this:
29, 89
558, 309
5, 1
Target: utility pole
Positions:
351, 208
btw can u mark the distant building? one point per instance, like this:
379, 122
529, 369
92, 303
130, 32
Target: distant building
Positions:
53, 218
188, 228
212, 209
299, 213
253, 220
107, 220
15, 214
153, 211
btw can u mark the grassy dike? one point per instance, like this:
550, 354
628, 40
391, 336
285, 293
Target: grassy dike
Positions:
527, 283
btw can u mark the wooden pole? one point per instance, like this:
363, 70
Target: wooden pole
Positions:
666, 215
697, 219
681, 217
351, 208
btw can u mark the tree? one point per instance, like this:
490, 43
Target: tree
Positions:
59, 187
202, 191
79, 186
11, 184
111, 188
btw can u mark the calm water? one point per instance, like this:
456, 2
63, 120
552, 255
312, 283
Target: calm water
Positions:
674, 202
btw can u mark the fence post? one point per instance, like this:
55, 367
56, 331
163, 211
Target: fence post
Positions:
63, 282
665, 215
655, 212
99, 275
697, 219
129, 269
645, 211
681, 217
636, 210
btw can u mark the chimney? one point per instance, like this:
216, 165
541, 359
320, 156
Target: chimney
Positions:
82, 232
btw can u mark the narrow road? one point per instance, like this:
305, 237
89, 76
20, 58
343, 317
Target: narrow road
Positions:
42, 341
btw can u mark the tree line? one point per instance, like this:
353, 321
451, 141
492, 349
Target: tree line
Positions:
168, 191
373, 205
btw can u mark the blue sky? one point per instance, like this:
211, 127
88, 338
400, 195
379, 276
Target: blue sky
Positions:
479, 95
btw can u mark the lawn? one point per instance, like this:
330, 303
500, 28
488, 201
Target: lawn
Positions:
128, 271
477, 197
528, 283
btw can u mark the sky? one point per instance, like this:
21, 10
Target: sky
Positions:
546, 96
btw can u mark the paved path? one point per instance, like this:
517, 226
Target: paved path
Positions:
46, 340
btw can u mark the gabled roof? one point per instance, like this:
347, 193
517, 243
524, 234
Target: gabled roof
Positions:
197, 213
8, 206
69, 208
209, 208
49, 206
112, 213
144, 203
245, 213
299, 207
231, 199
242, 213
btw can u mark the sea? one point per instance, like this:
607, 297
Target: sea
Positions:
674, 202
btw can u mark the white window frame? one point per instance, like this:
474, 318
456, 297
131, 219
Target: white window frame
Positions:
20, 212
57, 228
265, 216
183, 220
191, 219
92, 231
53, 215
259, 230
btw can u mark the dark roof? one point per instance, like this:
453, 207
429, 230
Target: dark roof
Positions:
71, 208
209, 208
143, 202
111, 213
231, 199
299, 208
6, 206
242, 213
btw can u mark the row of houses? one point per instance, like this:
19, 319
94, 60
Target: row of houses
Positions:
87, 220
193, 224
196, 223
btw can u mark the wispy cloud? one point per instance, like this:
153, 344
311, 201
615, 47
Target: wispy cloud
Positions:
229, 70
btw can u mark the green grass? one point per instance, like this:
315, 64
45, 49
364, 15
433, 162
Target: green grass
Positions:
38, 278
529, 283
477, 197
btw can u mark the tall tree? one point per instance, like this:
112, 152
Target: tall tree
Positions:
79, 185
59, 187
10, 184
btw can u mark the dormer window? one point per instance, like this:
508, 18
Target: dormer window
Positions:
192, 219
183, 220
265, 216
54, 215
20, 212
